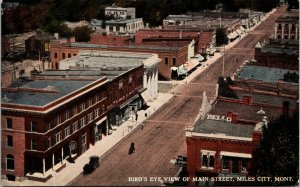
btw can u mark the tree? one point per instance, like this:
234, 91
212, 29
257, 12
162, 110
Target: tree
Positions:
221, 37
225, 90
82, 34
278, 152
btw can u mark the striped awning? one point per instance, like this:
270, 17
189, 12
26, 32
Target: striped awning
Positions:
235, 154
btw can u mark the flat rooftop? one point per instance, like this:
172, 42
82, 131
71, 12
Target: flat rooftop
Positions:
210, 126
107, 47
267, 99
123, 21
262, 73
35, 98
108, 62
284, 47
245, 112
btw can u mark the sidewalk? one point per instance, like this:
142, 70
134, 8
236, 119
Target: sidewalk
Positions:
102, 147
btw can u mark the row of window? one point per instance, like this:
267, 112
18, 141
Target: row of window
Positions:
237, 165
287, 26
64, 55
167, 61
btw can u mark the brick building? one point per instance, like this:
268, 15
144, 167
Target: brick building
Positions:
278, 53
222, 141
124, 26
172, 56
42, 118
120, 12
38, 46
204, 39
104, 39
287, 28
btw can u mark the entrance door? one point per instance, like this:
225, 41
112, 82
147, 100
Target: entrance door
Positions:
83, 143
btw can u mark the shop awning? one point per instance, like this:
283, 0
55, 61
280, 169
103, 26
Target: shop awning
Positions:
129, 101
232, 35
181, 70
146, 96
101, 120
234, 154
199, 57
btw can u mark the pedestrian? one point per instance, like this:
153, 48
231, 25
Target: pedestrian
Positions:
142, 126
136, 116
145, 114
131, 148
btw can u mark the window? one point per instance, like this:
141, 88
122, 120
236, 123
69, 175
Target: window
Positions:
82, 122
204, 161
66, 115
225, 163
96, 112
110, 28
166, 60
10, 162
58, 119
33, 126
49, 142
75, 126
74, 54
9, 141
208, 159
117, 28
82, 106
69, 55
293, 27
63, 55
49, 126
55, 55
89, 117
174, 61
102, 109
279, 27
57, 137
9, 123
90, 102
96, 98
67, 131
74, 110
33, 145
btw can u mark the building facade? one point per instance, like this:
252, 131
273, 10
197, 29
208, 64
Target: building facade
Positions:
172, 56
124, 26
278, 53
120, 12
287, 28
58, 114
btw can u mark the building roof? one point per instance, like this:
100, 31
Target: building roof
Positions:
210, 126
35, 98
108, 63
288, 19
267, 99
285, 47
262, 73
155, 47
245, 112
123, 21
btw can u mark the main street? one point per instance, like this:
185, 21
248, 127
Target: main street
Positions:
163, 135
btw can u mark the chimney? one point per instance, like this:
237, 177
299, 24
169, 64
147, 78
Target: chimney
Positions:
247, 99
234, 117
285, 108
229, 114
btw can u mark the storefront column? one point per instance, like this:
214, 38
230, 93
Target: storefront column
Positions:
106, 124
62, 155
290, 28
276, 25
52, 161
43, 166
296, 32
156, 82
282, 32
145, 80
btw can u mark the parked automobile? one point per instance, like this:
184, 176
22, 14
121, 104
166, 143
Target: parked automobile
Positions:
92, 165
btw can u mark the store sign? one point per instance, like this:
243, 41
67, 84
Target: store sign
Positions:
219, 118
181, 161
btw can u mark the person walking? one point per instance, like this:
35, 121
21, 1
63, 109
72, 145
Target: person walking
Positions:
142, 126
136, 116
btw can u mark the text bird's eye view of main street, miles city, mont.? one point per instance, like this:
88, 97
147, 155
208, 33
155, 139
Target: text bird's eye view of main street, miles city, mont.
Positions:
149, 93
